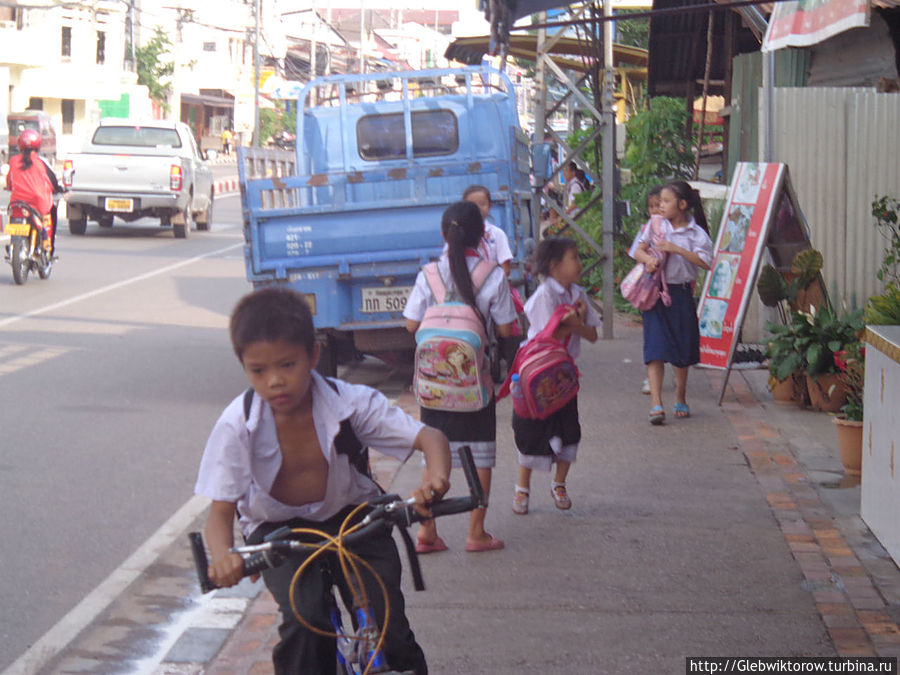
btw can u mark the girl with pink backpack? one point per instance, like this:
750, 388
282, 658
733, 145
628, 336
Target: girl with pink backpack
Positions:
543, 442
671, 331
440, 370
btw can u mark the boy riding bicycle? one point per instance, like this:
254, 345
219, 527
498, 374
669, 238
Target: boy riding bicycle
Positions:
274, 459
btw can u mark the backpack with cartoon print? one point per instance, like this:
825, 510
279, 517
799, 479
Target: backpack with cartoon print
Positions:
451, 372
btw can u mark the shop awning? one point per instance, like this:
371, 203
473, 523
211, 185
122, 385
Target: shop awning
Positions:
204, 99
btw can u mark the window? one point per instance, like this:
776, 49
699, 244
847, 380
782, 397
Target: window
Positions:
66, 46
141, 137
209, 46
68, 115
101, 47
35, 103
435, 132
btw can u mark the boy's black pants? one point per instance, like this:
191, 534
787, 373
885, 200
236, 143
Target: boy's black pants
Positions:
301, 651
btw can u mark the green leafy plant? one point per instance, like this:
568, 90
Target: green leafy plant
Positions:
819, 333
805, 268
884, 309
886, 211
783, 352
153, 71
850, 364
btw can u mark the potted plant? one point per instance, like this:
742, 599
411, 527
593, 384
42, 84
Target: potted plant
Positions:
851, 367
821, 333
785, 365
884, 309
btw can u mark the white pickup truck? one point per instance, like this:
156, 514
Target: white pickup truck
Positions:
130, 170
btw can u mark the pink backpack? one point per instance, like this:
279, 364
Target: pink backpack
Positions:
641, 288
548, 377
450, 367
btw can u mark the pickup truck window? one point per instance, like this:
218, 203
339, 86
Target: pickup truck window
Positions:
142, 137
435, 132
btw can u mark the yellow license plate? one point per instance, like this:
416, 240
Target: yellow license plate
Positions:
17, 229
120, 205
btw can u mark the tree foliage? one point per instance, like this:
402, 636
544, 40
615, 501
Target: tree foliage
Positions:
153, 70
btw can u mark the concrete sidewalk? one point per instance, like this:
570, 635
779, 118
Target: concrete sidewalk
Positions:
732, 533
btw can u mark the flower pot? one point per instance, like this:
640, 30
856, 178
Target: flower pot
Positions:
787, 391
826, 393
850, 442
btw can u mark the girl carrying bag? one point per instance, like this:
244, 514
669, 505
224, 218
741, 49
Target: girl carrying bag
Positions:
642, 288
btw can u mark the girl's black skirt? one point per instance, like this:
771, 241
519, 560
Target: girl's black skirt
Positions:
464, 427
672, 334
533, 436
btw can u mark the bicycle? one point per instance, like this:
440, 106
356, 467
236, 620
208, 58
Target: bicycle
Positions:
359, 650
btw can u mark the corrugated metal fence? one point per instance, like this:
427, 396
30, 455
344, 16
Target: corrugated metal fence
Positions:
842, 148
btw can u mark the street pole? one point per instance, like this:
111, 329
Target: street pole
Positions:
540, 177
609, 170
256, 141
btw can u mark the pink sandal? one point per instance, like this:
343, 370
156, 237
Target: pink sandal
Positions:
520, 501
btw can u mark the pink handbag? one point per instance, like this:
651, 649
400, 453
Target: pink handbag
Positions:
641, 288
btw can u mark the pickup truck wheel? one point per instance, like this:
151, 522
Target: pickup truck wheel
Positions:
204, 222
184, 231
77, 225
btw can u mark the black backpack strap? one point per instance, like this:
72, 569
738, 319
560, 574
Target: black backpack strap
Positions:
345, 442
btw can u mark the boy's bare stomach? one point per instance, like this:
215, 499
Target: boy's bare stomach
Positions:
297, 488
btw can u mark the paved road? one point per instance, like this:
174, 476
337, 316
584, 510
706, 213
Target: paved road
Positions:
111, 374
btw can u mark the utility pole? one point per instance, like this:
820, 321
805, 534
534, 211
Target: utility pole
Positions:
256, 11
609, 170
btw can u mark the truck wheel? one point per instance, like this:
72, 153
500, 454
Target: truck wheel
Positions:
204, 222
184, 231
328, 361
105, 221
78, 225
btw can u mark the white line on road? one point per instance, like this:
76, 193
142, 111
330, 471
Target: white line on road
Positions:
109, 589
112, 287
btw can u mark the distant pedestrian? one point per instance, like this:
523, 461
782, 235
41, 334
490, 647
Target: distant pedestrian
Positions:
227, 138
462, 227
542, 443
672, 334
494, 244
573, 186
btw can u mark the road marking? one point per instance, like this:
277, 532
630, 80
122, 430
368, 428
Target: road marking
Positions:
10, 363
65, 630
119, 284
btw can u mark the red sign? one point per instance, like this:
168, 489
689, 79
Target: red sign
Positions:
801, 23
739, 246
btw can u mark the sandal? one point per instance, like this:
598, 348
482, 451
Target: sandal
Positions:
560, 496
682, 410
520, 501
657, 415
435, 546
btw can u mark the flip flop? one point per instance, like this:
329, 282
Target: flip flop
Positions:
657, 415
682, 410
435, 546
492, 544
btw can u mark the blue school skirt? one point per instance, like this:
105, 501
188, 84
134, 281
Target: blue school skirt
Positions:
672, 334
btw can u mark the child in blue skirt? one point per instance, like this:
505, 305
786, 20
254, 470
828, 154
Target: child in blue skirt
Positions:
672, 334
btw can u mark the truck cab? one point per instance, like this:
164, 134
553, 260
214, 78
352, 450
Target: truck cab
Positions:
350, 217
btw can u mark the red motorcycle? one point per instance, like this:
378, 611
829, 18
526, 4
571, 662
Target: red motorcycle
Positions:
29, 246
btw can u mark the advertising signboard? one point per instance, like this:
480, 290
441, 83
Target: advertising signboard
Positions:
801, 23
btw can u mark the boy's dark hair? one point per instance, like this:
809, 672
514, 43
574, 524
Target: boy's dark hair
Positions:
270, 314
550, 250
462, 227
472, 189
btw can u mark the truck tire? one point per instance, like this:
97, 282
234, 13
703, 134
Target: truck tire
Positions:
204, 222
328, 359
77, 225
183, 231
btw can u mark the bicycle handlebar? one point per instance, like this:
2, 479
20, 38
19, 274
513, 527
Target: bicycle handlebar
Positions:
390, 510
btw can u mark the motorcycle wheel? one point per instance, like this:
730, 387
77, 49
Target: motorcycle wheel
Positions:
20, 261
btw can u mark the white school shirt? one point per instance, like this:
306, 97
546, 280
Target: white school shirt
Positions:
691, 237
493, 300
494, 245
242, 457
544, 301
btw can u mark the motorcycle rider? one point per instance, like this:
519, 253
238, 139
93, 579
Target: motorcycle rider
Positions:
31, 180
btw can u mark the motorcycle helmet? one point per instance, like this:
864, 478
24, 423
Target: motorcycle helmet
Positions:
29, 139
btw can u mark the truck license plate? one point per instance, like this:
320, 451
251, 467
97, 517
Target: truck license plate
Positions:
119, 205
385, 298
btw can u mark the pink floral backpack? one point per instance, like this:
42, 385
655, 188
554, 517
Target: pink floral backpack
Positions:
641, 288
548, 377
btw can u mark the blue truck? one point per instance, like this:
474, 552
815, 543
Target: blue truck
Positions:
350, 216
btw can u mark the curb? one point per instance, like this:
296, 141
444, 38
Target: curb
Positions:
226, 185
